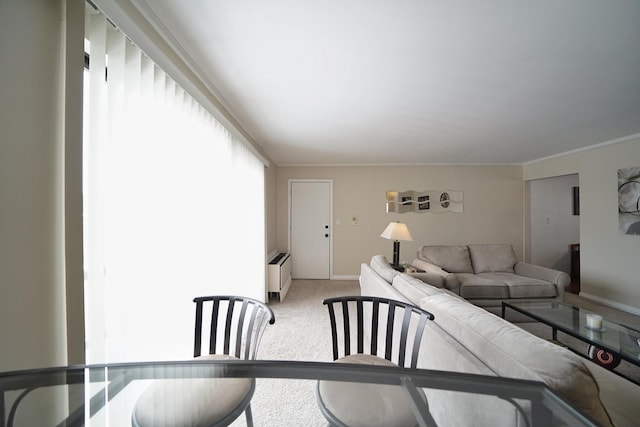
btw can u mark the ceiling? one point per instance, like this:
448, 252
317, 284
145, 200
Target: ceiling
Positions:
415, 82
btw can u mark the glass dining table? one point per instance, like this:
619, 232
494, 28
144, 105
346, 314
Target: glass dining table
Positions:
104, 395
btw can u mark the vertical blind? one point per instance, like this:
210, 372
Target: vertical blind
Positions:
174, 206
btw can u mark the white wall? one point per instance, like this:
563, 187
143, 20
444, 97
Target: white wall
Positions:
608, 259
553, 226
493, 209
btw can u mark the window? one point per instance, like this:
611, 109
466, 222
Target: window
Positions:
174, 206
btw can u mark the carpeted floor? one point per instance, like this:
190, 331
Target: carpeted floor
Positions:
301, 332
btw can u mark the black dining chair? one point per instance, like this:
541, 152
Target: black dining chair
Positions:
372, 331
234, 332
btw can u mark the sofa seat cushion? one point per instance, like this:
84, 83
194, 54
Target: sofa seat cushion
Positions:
521, 286
453, 259
512, 352
492, 257
474, 286
380, 265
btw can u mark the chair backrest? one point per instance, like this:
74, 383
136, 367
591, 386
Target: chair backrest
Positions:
240, 321
389, 328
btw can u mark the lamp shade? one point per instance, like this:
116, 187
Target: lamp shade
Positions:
397, 231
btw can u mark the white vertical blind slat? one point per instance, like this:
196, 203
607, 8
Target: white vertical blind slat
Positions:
181, 206
93, 188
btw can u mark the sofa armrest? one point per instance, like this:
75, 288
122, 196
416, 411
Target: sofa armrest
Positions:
559, 278
448, 280
429, 267
429, 278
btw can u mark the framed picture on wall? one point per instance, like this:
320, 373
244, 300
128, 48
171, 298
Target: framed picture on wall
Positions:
629, 200
423, 203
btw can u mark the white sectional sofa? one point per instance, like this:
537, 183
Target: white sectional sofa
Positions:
466, 338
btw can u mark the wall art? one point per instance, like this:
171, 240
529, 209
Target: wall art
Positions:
424, 201
629, 200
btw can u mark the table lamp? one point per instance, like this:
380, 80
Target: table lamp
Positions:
396, 231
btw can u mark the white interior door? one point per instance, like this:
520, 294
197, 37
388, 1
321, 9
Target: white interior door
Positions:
310, 229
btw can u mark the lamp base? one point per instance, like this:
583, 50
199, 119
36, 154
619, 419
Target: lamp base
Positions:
396, 254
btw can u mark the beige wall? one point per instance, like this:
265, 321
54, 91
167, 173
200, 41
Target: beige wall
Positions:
40, 184
493, 208
608, 259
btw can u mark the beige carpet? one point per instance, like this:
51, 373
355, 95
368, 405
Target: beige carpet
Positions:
301, 332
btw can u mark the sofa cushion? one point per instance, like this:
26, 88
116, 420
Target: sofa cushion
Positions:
381, 266
475, 286
414, 289
514, 353
372, 284
619, 395
453, 259
492, 257
523, 287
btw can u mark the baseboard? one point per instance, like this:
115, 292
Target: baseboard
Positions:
614, 304
344, 277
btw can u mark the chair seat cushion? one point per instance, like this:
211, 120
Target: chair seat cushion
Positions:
358, 404
193, 401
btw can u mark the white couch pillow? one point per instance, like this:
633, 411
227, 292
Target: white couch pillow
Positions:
380, 265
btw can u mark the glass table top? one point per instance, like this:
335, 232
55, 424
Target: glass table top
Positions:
105, 395
612, 336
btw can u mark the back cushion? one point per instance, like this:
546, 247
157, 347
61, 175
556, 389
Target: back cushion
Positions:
453, 259
414, 289
371, 284
514, 353
492, 258
380, 265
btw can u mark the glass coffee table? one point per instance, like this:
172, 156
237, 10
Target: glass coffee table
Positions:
617, 339
105, 395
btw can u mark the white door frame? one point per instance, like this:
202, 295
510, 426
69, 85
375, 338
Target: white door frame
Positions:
330, 182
